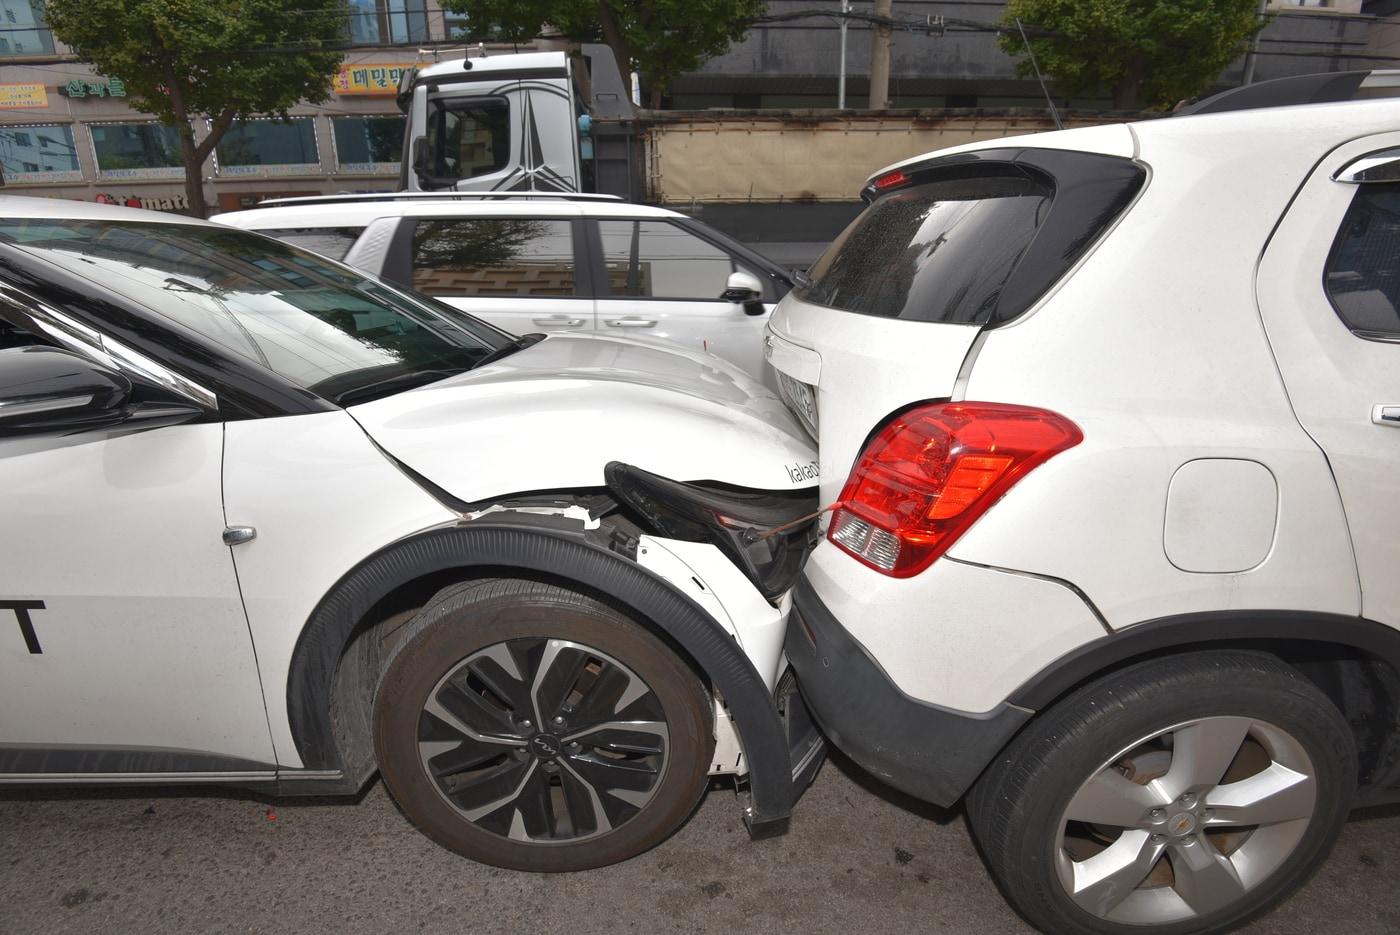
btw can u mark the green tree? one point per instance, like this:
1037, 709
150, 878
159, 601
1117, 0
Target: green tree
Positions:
1149, 53
665, 38
225, 60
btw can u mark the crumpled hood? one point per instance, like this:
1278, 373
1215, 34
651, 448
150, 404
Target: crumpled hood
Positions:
551, 416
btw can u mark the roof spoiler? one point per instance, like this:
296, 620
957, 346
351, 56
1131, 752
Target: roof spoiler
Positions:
1327, 88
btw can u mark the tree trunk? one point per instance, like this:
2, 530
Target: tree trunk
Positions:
189, 153
880, 58
1125, 92
622, 52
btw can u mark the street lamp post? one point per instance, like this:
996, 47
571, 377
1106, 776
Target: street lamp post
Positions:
841, 81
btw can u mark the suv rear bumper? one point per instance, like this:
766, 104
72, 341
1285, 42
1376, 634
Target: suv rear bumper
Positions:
927, 751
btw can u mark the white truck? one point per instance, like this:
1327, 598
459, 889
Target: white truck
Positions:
505, 123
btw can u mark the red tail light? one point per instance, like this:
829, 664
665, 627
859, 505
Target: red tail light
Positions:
890, 180
932, 471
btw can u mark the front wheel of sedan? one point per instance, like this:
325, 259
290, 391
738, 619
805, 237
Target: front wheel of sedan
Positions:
530, 727
1185, 794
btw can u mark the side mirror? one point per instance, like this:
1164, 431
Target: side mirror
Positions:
44, 389
745, 288
421, 163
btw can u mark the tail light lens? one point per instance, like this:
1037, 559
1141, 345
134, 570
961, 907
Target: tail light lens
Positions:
932, 472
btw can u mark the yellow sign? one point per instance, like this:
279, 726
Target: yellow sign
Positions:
22, 96
377, 80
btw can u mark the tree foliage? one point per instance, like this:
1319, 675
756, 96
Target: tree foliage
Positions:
1146, 52
225, 60
665, 38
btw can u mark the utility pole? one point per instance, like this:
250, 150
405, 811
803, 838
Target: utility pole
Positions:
841, 81
1254, 47
880, 58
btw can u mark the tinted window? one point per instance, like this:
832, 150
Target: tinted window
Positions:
314, 323
657, 259
253, 145
1363, 273
494, 256
137, 150
333, 242
938, 252
367, 144
467, 138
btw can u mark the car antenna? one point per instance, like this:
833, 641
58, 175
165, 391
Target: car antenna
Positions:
1054, 114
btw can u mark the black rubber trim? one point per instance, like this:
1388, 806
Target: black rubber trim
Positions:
929, 752
108, 760
563, 551
1216, 627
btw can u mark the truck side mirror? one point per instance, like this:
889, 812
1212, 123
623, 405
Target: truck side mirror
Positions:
421, 167
744, 288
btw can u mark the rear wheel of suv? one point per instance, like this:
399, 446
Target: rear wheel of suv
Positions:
530, 727
1180, 795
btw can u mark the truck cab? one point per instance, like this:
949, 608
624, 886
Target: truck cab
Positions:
505, 123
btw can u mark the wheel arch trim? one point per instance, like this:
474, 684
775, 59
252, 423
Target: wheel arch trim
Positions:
1204, 630
564, 551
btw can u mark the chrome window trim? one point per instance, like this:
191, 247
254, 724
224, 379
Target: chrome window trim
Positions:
1380, 166
97, 347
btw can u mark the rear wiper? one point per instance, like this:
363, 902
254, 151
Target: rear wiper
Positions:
404, 381
518, 344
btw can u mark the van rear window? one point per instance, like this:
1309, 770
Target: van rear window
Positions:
937, 252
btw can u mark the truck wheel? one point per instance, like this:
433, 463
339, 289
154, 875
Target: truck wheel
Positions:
530, 727
1184, 794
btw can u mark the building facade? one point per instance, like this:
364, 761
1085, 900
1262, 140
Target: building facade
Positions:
68, 132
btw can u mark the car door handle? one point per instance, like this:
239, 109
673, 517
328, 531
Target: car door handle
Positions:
631, 322
1386, 415
558, 320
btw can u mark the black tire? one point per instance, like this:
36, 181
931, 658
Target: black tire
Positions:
555, 823
1019, 807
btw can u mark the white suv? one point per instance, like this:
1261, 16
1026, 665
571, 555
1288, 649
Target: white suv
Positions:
268, 522
551, 263
1110, 420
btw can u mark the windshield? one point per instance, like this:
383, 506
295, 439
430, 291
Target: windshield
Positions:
314, 323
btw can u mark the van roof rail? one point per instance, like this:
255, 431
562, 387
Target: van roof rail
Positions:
351, 198
1325, 88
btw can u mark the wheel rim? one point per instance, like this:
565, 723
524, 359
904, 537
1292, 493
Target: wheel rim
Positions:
1185, 822
544, 741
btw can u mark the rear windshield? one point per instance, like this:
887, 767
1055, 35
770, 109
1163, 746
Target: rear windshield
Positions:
937, 252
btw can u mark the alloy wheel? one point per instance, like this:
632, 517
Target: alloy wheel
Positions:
1186, 821
544, 740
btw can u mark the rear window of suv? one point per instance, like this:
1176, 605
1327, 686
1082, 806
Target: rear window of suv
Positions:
937, 252
973, 238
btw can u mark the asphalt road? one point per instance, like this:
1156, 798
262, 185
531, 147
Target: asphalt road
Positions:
858, 859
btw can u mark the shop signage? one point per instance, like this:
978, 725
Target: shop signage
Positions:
370, 80
102, 87
167, 203
23, 96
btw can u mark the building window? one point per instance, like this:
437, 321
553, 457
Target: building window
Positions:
25, 31
42, 154
269, 147
368, 145
382, 22
136, 151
